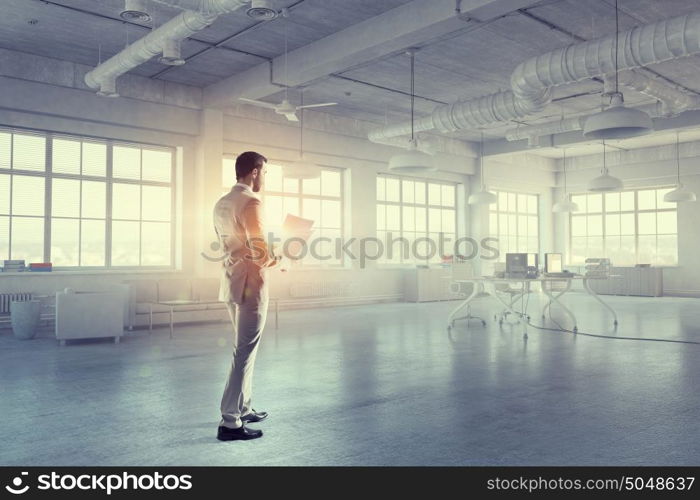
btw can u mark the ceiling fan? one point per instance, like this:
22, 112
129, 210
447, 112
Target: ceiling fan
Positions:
285, 107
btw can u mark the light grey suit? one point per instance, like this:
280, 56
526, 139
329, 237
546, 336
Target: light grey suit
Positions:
237, 219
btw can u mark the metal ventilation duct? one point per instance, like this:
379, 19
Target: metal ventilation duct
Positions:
183, 25
533, 80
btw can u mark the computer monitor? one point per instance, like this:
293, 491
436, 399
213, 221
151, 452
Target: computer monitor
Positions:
552, 263
516, 265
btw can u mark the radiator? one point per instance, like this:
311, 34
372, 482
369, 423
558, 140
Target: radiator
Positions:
320, 289
7, 298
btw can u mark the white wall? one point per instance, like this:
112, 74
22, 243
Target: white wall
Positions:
650, 167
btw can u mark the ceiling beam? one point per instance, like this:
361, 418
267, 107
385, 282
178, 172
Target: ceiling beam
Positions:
412, 24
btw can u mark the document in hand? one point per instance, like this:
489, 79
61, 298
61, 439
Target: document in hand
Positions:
297, 227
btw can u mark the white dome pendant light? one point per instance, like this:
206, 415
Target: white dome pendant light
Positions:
413, 161
483, 196
605, 182
565, 205
617, 122
680, 194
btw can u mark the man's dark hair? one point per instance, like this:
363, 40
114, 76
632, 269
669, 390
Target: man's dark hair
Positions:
247, 162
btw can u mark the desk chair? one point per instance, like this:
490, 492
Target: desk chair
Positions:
515, 291
463, 270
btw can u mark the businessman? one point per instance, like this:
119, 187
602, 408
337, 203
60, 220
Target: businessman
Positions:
237, 219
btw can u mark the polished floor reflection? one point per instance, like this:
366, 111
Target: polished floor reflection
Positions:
369, 385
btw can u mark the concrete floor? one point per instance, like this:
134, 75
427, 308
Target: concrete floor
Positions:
368, 385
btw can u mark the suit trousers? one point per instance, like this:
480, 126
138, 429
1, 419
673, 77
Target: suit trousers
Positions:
248, 320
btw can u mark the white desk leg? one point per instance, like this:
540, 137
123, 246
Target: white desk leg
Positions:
475, 290
593, 294
509, 306
549, 302
555, 299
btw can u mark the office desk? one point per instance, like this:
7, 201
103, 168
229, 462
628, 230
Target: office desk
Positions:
480, 284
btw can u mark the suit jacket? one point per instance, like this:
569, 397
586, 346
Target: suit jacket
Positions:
238, 223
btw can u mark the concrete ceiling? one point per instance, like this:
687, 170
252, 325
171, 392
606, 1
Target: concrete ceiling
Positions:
472, 61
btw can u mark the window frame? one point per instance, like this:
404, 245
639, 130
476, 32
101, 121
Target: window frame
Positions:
635, 212
300, 196
411, 261
48, 175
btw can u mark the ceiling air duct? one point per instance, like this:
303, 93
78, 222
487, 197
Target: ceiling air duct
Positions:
171, 54
261, 10
135, 10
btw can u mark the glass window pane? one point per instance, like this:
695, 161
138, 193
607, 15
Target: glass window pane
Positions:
393, 218
92, 243
646, 199
228, 173
612, 225
330, 183
646, 223
157, 165
381, 189
502, 201
273, 208
408, 191
421, 220
578, 225
420, 192
595, 203
29, 152
433, 194
312, 186
381, 217
448, 221
580, 200
392, 189
273, 178
512, 202
4, 194
532, 204
4, 237
493, 223
290, 185
155, 244
595, 247
667, 250
434, 220
522, 203
94, 159
125, 243
65, 242
65, 156
409, 218
311, 209
27, 195
646, 249
448, 196
666, 222
5, 150
157, 203
291, 206
612, 202
532, 229
627, 224
28, 239
330, 214
595, 225
94, 199
627, 252
627, 201
522, 225
126, 201
126, 162
65, 198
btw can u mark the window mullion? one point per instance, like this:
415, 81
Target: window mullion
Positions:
48, 189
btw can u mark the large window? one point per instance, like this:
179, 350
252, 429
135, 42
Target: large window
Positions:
414, 213
514, 221
631, 227
79, 202
319, 199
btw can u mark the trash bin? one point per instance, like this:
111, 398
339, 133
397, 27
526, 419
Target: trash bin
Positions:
25, 317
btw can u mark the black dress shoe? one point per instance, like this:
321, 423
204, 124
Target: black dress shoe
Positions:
243, 433
254, 416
